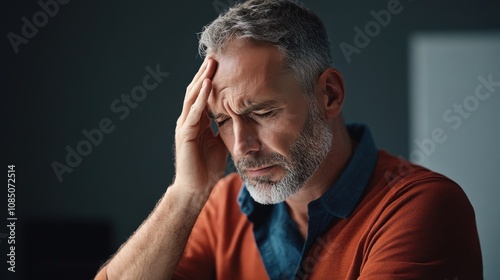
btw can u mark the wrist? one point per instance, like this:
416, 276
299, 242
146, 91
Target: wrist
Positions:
193, 200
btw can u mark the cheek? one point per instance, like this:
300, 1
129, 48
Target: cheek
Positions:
227, 138
278, 139
273, 137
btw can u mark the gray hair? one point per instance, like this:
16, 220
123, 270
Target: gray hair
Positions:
296, 31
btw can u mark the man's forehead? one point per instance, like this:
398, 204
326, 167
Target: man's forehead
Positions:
247, 95
246, 71
246, 106
244, 56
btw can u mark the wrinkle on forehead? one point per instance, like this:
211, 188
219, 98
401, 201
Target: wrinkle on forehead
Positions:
246, 71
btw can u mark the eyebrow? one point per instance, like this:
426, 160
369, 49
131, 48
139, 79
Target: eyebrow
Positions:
254, 107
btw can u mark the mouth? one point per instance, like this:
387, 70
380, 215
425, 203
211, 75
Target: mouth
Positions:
260, 171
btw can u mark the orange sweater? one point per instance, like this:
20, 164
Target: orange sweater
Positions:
410, 224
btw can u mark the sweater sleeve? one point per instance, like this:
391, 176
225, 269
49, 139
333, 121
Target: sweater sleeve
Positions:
427, 230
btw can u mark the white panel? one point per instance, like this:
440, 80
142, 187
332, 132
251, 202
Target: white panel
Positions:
449, 95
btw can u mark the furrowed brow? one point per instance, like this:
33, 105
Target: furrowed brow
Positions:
260, 106
254, 107
213, 116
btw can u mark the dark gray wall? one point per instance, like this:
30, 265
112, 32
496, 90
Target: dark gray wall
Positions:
64, 79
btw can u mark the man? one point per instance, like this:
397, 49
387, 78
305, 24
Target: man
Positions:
313, 198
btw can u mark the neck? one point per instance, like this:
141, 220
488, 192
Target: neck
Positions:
327, 173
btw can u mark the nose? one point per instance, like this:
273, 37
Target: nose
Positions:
245, 138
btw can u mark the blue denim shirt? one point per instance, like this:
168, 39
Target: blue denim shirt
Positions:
280, 243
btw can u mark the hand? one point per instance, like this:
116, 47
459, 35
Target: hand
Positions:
200, 155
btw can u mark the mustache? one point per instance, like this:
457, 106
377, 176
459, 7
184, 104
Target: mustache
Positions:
259, 161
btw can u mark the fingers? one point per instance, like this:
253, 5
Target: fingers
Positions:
206, 71
196, 77
198, 107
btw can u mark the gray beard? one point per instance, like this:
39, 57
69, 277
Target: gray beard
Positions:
306, 154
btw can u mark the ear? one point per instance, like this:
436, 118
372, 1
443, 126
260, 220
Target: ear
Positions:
331, 93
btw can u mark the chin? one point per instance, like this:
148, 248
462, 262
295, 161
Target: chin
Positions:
267, 194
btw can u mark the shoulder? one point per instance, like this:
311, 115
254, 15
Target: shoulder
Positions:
419, 218
401, 189
398, 174
409, 193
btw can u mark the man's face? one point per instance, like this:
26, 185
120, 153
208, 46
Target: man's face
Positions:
276, 136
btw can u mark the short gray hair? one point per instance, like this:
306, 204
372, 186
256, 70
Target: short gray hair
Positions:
295, 30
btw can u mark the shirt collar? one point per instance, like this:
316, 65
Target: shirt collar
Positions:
343, 196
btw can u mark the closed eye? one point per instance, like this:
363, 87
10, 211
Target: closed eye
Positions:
259, 114
222, 122
264, 115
